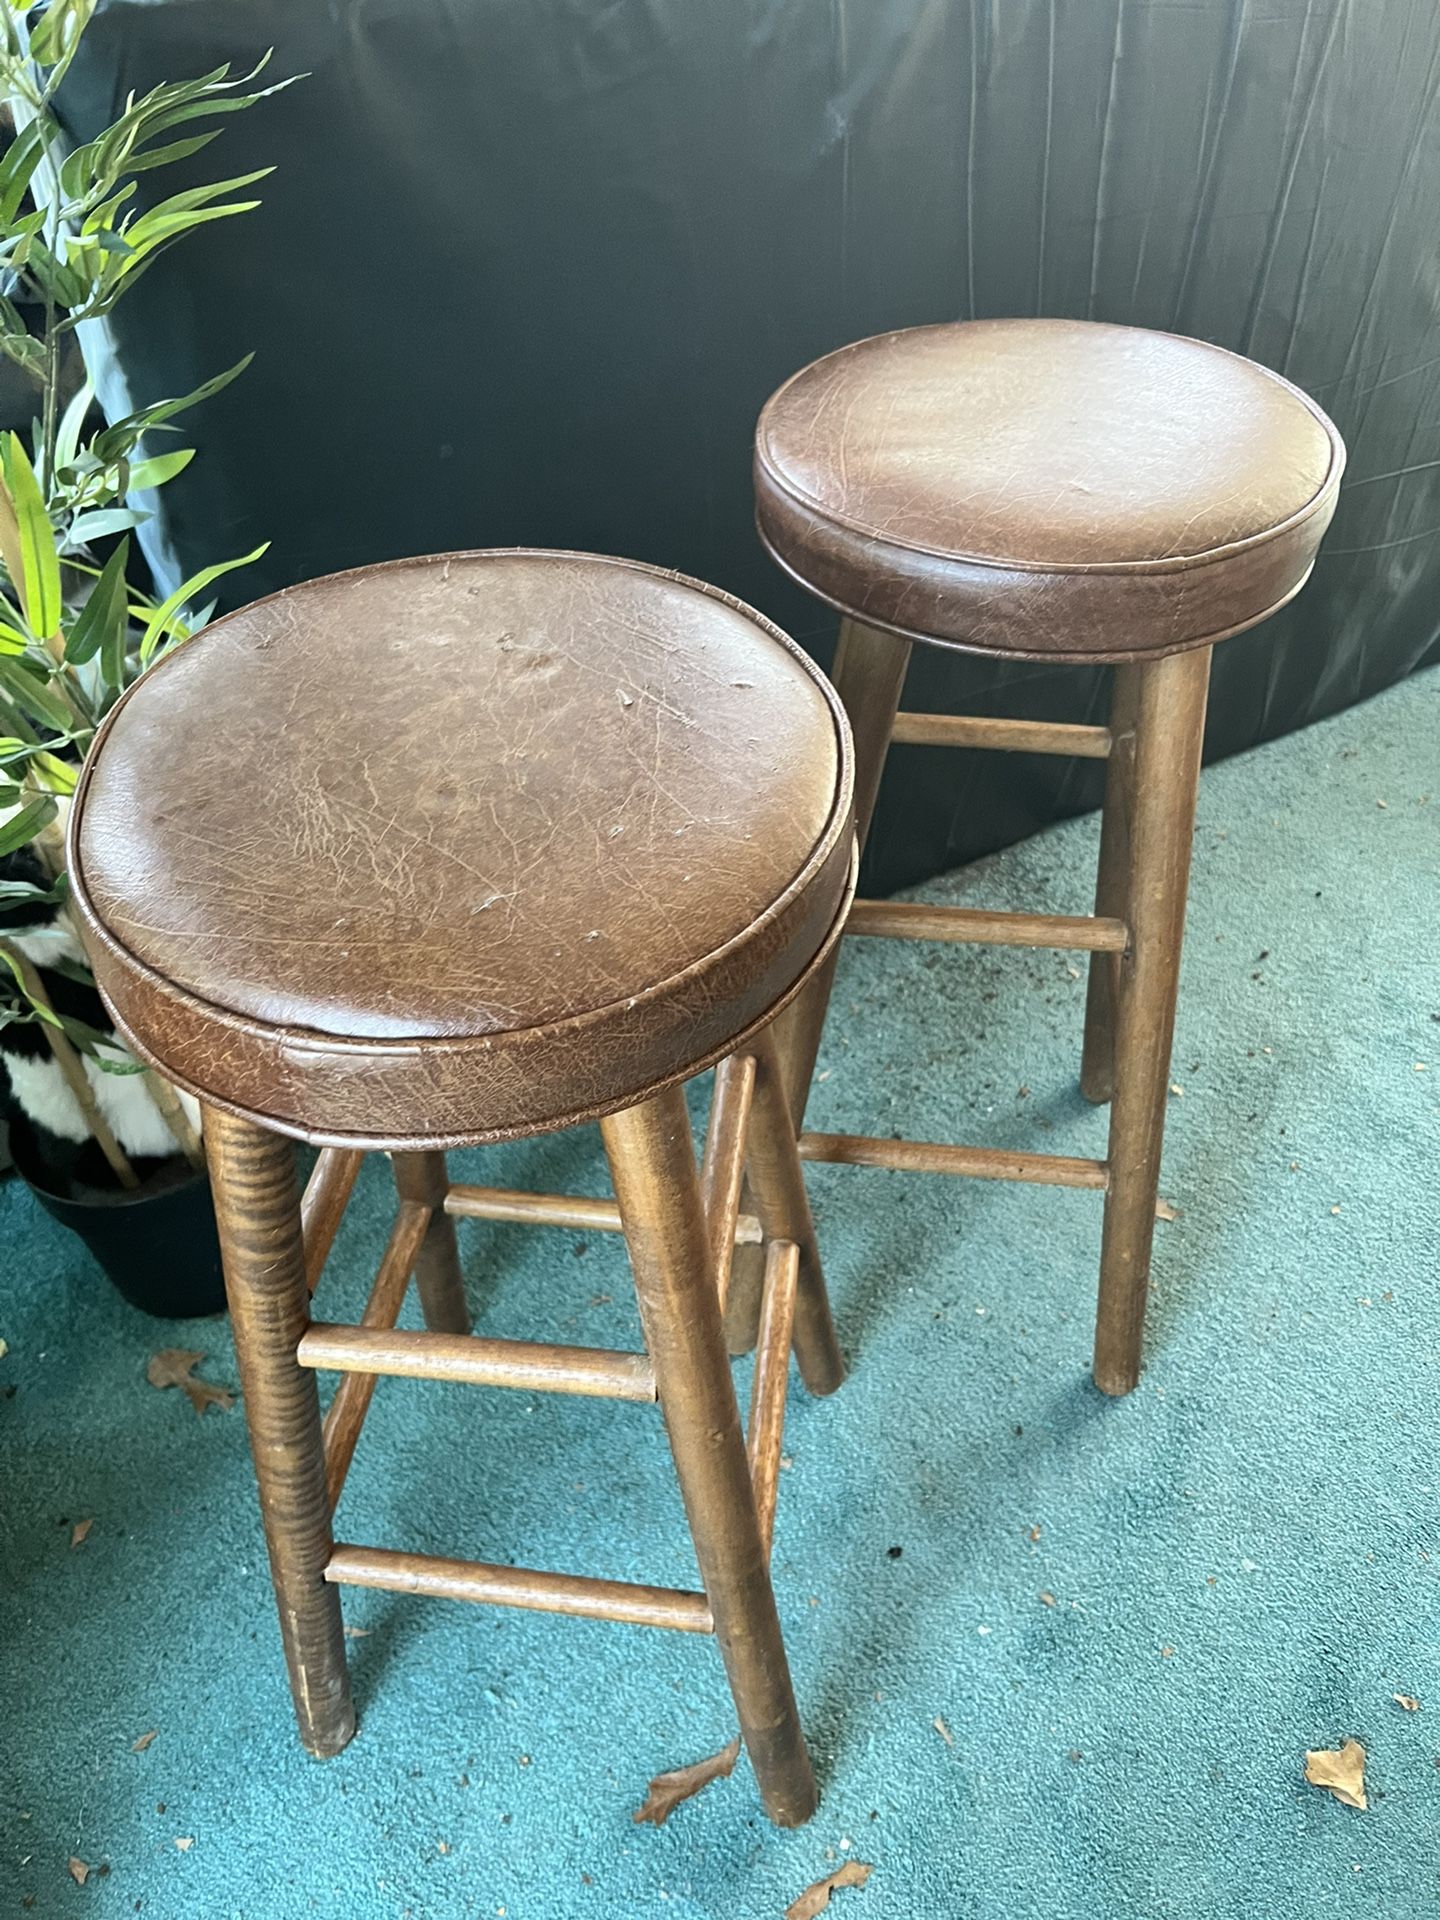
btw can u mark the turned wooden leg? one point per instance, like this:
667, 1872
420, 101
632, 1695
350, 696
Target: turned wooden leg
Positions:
869, 676
1169, 735
252, 1173
1097, 1066
652, 1162
422, 1177
777, 1182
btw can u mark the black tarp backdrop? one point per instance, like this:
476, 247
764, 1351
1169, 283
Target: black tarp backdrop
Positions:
528, 269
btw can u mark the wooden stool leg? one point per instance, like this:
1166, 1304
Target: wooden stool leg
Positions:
652, 1162
422, 1177
1097, 1067
252, 1173
778, 1183
1169, 735
869, 676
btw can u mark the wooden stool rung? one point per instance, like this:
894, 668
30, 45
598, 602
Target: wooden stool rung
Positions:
772, 1376
327, 1194
722, 1169
976, 1163
916, 920
533, 1366
1005, 736
537, 1592
346, 1414
558, 1210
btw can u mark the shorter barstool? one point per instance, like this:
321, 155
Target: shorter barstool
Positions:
1063, 492
460, 850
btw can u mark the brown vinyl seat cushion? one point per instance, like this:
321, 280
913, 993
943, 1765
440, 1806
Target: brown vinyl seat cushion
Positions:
1046, 489
451, 849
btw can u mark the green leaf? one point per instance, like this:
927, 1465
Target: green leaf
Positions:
103, 611
99, 1047
53, 38
96, 526
26, 351
191, 198
17, 169
39, 559
21, 828
163, 616
124, 433
21, 892
66, 284
67, 437
28, 687
164, 466
176, 150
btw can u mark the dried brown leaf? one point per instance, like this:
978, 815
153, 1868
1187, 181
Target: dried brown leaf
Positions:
174, 1367
816, 1898
79, 1532
1406, 1700
1341, 1771
79, 1872
139, 1746
668, 1790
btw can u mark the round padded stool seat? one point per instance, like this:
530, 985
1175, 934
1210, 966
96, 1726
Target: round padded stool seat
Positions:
1046, 489
452, 849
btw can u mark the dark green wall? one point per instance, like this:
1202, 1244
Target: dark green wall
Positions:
527, 272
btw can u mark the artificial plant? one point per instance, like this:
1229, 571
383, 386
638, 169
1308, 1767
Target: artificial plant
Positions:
78, 228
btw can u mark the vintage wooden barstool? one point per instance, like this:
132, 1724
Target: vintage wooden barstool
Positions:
459, 850
1059, 491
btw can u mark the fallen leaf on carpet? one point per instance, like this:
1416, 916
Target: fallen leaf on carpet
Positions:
79, 1532
1047, 1599
816, 1898
1341, 1771
1034, 1533
357, 1633
1165, 1210
173, 1367
1406, 1700
943, 1731
668, 1790
143, 1742
79, 1872
185, 1842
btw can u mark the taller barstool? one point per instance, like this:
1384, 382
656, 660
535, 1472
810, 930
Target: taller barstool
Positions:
461, 850
1066, 492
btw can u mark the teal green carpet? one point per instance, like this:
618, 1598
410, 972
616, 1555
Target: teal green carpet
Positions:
1060, 1658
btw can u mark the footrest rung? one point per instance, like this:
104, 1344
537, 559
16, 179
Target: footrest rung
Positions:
976, 1163
577, 1211
524, 1587
596, 1373
1006, 736
916, 920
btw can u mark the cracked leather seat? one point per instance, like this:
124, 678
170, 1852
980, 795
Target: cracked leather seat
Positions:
462, 847
1046, 489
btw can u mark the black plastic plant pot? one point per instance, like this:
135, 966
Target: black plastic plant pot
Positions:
157, 1243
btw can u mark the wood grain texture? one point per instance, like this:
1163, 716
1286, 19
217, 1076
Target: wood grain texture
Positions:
258, 1211
652, 1162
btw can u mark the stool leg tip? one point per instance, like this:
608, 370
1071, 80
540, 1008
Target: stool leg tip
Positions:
325, 1744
